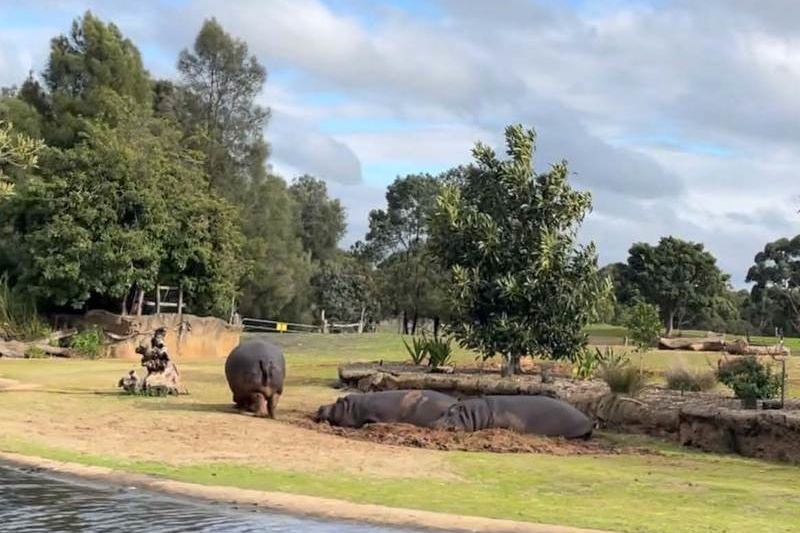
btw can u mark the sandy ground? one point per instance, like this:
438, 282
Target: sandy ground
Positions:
296, 504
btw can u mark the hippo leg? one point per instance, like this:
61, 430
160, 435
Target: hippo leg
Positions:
241, 403
259, 404
272, 403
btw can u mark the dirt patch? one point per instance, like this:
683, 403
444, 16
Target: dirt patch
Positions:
13, 385
493, 440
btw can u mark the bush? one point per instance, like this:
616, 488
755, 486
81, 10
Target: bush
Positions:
34, 352
749, 378
418, 349
683, 379
18, 316
586, 363
622, 377
644, 324
89, 343
440, 352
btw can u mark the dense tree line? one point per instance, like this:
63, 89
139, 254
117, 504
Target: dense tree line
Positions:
112, 182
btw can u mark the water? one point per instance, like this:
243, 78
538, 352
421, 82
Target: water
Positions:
39, 503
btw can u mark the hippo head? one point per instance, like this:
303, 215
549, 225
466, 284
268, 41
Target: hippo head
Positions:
456, 418
335, 413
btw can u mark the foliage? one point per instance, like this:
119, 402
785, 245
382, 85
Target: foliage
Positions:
345, 286
683, 379
397, 243
16, 151
586, 363
520, 283
440, 351
220, 82
321, 219
679, 277
34, 352
18, 316
123, 208
418, 350
83, 67
748, 377
619, 374
644, 324
775, 296
89, 343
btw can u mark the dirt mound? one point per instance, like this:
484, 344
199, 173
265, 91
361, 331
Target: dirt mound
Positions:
494, 440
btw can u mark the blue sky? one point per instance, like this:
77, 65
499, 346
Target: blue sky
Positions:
678, 116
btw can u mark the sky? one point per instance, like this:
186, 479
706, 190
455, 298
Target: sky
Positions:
679, 116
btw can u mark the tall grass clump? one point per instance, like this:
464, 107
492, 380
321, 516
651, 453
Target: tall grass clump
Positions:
18, 317
683, 379
619, 374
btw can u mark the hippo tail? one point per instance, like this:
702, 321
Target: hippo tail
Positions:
266, 372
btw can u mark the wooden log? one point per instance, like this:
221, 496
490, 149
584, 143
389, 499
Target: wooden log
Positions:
18, 350
692, 345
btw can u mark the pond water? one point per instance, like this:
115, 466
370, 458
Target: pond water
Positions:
44, 503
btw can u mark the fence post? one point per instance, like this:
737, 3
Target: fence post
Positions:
324, 322
180, 303
140, 302
158, 299
361, 321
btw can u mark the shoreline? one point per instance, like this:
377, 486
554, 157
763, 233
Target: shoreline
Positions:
292, 504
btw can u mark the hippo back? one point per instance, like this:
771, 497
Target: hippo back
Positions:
417, 407
255, 363
539, 415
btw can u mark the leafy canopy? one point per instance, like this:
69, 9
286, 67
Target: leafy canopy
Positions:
521, 283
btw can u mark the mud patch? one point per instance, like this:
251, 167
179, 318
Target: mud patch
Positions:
493, 440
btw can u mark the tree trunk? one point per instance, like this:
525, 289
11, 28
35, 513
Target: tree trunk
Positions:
436, 325
517, 366
510, 366
405, 323
670, 323
414, 323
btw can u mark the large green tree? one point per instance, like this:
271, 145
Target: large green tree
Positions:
124, 209
220, 82
321, 219
775, 295
344, 287
397, 243
680, 277
521, 283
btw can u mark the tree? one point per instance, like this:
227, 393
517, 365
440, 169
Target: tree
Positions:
344, 286
121, 210
643, 322
91, 61
776, 291
679, 277
521, 284
397, 243
220, 83
321, 220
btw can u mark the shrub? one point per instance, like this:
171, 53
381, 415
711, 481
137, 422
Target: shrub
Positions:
749, 378
440, 352
586, 363
682, 379
622, 377
18, 316
418, 349
34, 352
89, 343
644, 324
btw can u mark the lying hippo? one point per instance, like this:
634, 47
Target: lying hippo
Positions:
417, 407
255, 371
540, 415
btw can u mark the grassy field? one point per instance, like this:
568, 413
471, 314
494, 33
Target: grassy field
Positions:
69, 410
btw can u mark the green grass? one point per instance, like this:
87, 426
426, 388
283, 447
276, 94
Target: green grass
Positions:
669, 489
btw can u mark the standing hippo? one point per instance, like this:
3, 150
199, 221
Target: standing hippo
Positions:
417, 407
540, 415
255, 371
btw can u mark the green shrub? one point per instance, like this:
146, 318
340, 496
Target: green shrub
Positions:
34, 352
586, 363
18, 316
620, 375
89, 342
440, 352
644, 325
418, 349
682, 379
749, 378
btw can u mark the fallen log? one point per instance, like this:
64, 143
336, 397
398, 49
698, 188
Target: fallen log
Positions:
740, 347
19, 350
692, 345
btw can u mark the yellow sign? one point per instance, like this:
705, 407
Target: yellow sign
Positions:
281, 326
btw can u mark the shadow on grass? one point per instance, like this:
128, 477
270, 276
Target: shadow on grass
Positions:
190, 407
